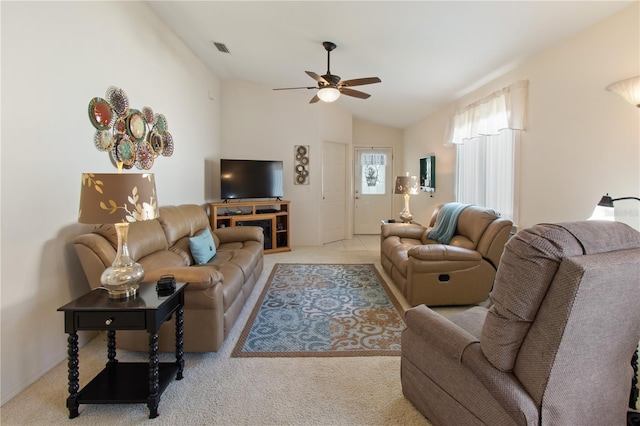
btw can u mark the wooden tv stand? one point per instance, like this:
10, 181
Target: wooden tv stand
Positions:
272, 216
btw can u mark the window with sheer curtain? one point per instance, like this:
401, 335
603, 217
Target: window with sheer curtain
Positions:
485, 135
486, 172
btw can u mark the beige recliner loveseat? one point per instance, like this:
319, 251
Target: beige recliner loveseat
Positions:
458, 273
217, 291
555, 346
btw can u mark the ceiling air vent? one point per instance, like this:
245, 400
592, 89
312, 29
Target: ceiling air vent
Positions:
221, 47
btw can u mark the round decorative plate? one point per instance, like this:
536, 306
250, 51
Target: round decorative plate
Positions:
120, 126
144, 156
118, 99
156, 141
304, 160
136, 126
125, 151
103, 140
300, 179
168, 144
302, 150
100, 113
161, 123
148, 115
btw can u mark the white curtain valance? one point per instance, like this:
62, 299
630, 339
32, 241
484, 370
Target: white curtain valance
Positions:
373, 159
504, 109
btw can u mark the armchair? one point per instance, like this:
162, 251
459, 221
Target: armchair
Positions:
458, 273
553, 348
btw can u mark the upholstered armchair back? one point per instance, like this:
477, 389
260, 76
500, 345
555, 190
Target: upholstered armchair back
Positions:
565, 312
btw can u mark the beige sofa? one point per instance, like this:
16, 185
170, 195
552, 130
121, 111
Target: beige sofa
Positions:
554, 347
458, 273
217, 291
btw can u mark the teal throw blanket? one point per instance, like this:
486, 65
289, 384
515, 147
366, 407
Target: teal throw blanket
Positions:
446, 222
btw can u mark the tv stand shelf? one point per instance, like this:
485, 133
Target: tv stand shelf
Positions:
272, 216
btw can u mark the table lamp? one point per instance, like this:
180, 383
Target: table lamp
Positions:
119, 198
407, 185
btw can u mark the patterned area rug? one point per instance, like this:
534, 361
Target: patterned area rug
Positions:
323, 310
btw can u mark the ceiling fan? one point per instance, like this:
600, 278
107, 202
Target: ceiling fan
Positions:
330, 86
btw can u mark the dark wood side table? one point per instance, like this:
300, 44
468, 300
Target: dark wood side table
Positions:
124, 382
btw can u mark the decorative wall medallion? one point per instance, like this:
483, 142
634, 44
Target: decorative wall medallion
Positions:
301, 171
131, 137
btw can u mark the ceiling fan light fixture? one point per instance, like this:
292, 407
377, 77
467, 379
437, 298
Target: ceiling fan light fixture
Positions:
328, 94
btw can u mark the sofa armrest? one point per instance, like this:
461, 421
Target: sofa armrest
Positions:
439, 252
232, 234
439, 332
198, 277
402, 230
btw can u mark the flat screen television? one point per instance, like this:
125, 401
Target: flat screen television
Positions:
251, 179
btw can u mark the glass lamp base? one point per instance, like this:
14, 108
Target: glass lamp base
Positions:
122, 278
122, 281
405, 214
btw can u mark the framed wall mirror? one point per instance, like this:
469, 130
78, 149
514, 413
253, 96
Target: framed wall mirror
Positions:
428, 173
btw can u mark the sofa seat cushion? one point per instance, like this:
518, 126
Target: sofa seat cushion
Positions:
232, 282
246, 258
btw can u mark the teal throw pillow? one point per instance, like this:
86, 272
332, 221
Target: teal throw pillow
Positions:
202, 247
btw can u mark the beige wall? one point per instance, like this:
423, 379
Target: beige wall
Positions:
259, 123
57, 56
581, 141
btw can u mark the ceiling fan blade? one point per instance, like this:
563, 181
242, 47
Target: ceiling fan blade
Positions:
316, 77
354, 93
293, 88
314, 99
360, 81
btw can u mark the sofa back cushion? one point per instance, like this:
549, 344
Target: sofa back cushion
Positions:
144, 238
182, 221
472, 223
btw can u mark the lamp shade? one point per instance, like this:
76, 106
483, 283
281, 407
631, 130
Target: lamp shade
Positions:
117, 197
407, 185
629, 89
328, 94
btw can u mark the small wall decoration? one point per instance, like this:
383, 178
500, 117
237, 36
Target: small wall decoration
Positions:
131, 137
301, 172
428, 173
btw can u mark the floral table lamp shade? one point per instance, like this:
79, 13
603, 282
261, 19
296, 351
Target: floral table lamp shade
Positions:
119, 198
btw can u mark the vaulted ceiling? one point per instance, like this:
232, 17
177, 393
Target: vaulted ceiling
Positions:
427, 53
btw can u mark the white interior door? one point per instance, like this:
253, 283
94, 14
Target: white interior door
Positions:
373, 186
334, 198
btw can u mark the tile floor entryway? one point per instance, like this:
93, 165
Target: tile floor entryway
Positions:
358, 242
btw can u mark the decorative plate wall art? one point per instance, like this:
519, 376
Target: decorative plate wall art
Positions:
301, 172
131, 137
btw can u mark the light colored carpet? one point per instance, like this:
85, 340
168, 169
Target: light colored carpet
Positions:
220, 390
